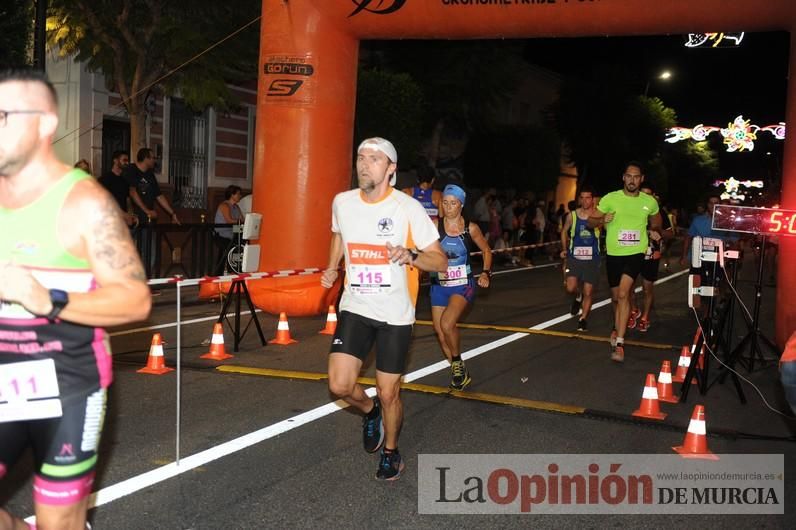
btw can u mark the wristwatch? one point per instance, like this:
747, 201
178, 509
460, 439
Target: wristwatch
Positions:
414, 255
59, 299
488, 273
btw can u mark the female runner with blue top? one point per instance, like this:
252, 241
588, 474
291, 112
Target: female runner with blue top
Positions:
453, 290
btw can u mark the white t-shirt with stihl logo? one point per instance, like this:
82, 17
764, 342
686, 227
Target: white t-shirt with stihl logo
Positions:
375, 287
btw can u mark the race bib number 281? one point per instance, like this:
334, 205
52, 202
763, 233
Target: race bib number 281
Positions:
629, 238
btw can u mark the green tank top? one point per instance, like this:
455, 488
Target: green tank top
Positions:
28, 235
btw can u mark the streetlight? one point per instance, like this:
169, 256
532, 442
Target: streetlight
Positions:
663, 76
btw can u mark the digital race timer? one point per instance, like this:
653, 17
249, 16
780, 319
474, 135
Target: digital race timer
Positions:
764, 221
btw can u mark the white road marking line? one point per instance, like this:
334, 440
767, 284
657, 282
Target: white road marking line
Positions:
150, 478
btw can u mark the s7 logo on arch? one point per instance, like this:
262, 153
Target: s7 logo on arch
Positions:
284, 87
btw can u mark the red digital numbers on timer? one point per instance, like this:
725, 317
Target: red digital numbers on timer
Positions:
781, 223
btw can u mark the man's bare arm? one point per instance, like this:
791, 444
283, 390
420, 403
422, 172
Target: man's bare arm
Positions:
140, 202
90, 227
329, 276
565, 236
598, 218
123, 295
431, 258
656, 223
164, 203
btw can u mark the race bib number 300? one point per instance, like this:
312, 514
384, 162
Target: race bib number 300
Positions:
369, 270
454, 276
29, 391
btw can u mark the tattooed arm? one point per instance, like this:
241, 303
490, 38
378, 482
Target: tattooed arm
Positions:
90, 226
93, 228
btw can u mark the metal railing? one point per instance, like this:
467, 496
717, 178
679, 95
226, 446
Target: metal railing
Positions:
190, 249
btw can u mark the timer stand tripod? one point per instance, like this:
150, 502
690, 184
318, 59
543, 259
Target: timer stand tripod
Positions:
754, 338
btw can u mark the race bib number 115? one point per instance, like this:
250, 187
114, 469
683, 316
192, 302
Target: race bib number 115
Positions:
369, 270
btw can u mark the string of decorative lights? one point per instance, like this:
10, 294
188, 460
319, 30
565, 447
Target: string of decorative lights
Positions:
739, 135
697, 40
732, 187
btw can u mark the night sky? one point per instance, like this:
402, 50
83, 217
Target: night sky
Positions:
708, 85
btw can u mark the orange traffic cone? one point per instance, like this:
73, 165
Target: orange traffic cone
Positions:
665, 384
155, 363
217, 352
649, 401
695, 444
331, 322
282, 332
682, 366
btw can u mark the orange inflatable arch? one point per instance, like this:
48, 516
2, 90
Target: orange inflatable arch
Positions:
306, 97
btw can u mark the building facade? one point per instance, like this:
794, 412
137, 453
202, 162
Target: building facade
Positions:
200, 153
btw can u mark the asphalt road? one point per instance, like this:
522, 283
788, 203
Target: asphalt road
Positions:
269, 451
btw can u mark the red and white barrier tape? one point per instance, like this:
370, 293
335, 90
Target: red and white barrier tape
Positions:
522, 247
287, 272
233, 277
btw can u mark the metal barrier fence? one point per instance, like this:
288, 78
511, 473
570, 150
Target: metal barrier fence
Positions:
190, 250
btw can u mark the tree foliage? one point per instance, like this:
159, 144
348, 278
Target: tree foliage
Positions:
16, 31
461, 81
390, 105
135, 43
604, 127
528, 158
689, 169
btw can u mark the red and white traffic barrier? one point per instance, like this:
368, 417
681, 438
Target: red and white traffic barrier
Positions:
234, 277
289, 272
522, 247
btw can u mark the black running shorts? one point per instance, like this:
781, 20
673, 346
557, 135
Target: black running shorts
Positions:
649, 270
356, 336
616, 266
587, 271
64, 448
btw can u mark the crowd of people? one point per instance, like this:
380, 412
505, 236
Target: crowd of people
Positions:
383, 237
509, 221
137, 192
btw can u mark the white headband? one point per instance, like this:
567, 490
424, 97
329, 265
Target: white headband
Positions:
386, 147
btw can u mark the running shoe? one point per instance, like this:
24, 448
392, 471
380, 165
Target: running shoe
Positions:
613, 339
574, 307
582, 326
618, 353
633, 318
373, 430
460, 377
390, 466
643, 325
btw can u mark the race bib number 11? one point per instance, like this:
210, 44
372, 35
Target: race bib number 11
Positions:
29, 391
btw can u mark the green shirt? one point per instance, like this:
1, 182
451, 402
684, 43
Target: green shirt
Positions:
29, 234
28, 237
626, 234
